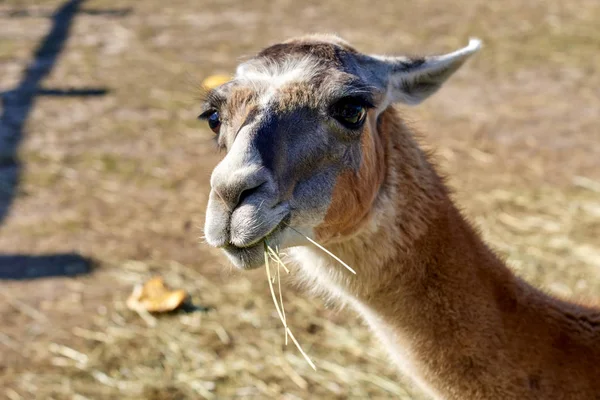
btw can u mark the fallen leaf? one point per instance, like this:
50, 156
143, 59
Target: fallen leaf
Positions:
154, 296
215, 80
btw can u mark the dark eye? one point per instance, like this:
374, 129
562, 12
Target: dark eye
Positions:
213, 118
349, 113
214, 121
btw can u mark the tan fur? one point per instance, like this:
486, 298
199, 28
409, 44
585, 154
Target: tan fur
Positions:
296, 95
465, 326
320, 37
240, 102
354, 193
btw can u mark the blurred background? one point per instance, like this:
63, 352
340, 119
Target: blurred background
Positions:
104, 180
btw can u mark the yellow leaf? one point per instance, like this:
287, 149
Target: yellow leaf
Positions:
154, 296
215, 80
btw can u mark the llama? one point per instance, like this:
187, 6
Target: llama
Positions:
314, 146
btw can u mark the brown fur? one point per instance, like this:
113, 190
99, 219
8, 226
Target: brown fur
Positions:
354, 193
330, 53
239, 102
470, 328
296, 95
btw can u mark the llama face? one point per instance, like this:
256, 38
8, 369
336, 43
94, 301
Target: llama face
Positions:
303, 153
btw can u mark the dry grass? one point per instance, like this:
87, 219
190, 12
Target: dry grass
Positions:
123, 178
278, 302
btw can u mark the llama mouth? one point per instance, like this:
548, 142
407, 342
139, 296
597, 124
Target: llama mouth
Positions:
252, 256
266, 238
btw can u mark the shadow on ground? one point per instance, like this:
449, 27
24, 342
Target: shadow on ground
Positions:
17, 105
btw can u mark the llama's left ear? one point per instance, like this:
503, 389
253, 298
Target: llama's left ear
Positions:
412, 80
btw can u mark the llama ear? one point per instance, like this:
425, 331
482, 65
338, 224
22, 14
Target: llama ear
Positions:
412, 80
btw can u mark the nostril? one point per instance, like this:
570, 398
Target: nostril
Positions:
233, 186
235, 191
247, 193
259, 190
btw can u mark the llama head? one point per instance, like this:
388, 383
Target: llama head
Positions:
304, 152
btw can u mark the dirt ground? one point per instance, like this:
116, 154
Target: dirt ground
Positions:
121, 177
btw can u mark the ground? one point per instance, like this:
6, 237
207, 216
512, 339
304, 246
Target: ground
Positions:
121, 177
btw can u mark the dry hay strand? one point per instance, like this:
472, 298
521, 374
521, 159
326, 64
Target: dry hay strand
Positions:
279, 308
325, 250
269, 253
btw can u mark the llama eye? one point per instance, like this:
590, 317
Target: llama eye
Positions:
214, 121
349, 114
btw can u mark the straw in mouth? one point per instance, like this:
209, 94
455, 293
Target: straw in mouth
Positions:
279, 309
271, 254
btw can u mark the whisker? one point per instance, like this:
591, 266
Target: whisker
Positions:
222, 199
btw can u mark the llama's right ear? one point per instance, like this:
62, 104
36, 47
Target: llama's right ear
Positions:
412, 80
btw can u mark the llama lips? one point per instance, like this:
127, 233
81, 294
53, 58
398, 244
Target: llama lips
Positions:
252, 256
249, 224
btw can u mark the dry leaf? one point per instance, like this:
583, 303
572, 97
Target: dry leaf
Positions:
154, 296
215, 80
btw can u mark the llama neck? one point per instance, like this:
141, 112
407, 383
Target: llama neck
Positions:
449, 312
421, 295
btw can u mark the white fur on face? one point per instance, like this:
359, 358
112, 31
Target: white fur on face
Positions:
272, 76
